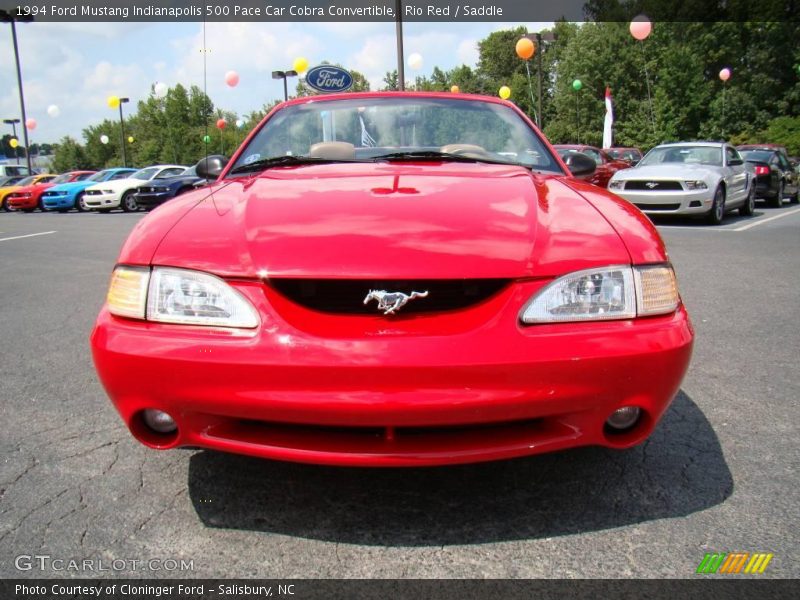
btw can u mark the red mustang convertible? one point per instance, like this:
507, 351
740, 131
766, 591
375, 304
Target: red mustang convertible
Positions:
393, 279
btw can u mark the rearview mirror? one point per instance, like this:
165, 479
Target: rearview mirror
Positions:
211, 166
579, 164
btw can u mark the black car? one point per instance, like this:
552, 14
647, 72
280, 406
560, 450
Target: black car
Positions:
158, 191
774, 176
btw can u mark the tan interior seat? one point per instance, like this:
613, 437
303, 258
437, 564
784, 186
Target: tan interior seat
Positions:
333, 151
466, 150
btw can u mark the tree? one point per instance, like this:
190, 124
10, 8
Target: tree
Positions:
69, 156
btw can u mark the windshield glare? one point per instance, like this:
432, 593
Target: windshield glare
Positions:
698, 155
380, 126
62, 178
26, 181
144, 174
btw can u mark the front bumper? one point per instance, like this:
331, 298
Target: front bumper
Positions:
22, 202
58, 201
406, 391
104, 201
152, 199
678, 202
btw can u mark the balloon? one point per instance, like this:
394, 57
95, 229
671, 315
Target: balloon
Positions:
160, 89
577, 85
505, 92
53, 110
30, 124
113, 101
300, 64
232, 78
725, 74
13, 142
455, 89
221, 123
525, 48
130, 139
415, 61
239, 123
641, 27
206, 139
103, 139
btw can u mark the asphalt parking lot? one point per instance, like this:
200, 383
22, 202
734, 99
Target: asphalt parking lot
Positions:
720, 474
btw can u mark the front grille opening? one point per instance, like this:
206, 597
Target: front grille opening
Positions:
658, 206
346, 296
654, 186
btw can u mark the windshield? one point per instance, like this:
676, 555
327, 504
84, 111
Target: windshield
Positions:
376, 127
99, 176
144, 174
62, 178
26, 181
757, 155
698, 155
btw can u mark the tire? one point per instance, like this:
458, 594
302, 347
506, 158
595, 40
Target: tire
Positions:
4, 205
717, 212
79, 205
128, 202
748, 208
777, 201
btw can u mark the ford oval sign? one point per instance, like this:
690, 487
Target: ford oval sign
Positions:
327, 78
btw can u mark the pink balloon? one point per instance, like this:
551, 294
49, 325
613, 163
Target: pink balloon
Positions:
641, 27
725, 74
221, 123
232, 78
30, 124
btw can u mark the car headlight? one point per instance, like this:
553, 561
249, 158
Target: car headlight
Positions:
696, 185
169, 295
616, 185
617, 292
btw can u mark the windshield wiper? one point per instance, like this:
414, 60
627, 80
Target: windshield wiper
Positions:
284, 161
433, 155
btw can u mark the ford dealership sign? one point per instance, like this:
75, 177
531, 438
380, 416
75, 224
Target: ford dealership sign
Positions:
327, 78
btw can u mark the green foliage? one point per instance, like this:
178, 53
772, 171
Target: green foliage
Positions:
69, 155
785, 131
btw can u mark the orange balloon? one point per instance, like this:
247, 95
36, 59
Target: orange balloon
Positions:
525, 48
455, 89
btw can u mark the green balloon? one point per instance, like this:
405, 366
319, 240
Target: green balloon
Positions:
577, 85
207, 139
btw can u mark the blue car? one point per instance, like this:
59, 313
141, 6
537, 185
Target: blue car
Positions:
158, 191
70, 195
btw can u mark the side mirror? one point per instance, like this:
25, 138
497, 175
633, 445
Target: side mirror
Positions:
734, 162
211, 166
579, 164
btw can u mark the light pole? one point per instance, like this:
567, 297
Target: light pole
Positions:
122, 129
401, 77
539, 38
13, 123
284, 75
10, 17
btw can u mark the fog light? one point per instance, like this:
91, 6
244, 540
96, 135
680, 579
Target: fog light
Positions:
159, 421
624, 418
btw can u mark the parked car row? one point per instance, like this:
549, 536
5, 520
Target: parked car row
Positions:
103, 191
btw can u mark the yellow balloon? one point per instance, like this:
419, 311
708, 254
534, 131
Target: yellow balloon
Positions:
455, 89
300, 64
505, 92
130, 139
13, 142
113, 101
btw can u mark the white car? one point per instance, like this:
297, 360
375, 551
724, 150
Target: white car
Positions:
119, 193
688, 178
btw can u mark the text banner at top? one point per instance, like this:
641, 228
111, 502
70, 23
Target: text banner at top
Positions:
392, 10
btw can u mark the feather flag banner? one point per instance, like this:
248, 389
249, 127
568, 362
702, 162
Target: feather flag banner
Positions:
608, 125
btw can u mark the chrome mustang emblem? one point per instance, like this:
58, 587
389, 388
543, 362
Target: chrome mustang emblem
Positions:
651, 184
391, 302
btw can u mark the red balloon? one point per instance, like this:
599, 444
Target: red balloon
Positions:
221, 123
641, 27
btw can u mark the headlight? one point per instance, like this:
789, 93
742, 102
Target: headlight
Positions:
696, 185
616, 185
606, 293
178, 296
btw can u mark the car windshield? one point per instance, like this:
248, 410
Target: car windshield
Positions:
699, 155
26, 181
65, 177
144, 174
400, 127
757, 155
99, 176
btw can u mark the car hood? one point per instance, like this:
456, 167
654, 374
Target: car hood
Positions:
667, 171
33, 188
71, 186
118, 185
392, 221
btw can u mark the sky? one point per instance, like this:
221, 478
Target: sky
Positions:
76, 66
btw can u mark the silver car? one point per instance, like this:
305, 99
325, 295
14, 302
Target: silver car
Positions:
689, 178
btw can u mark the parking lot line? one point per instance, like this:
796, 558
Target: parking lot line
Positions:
767, 220
19, 237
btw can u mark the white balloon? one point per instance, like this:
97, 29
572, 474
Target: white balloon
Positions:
103, 139
53, 110
415, 61
160, 89
239, 123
